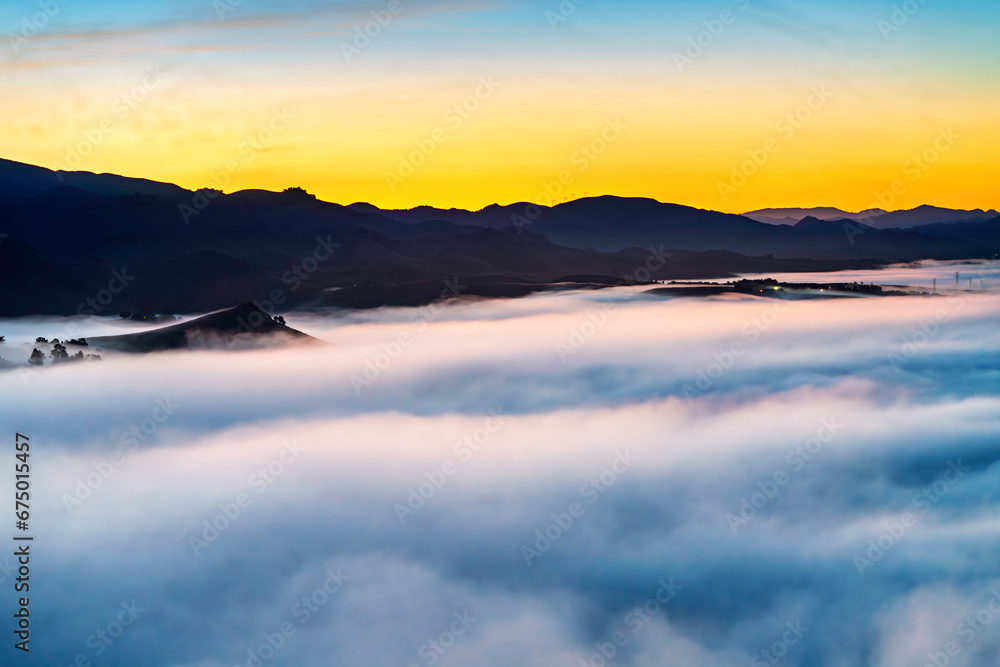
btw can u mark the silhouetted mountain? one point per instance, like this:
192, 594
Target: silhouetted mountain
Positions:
104, 243
33, 282
455, 216
928, 215
790, 216
611, 224
27, 179
877, 218
986, 234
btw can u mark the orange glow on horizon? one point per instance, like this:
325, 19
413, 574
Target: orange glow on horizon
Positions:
471, 142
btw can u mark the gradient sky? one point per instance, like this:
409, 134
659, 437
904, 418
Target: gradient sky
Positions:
65, 66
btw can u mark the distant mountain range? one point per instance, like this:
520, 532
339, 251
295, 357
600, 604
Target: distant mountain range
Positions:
99, 243
874, 217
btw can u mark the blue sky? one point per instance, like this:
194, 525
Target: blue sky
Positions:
901, 78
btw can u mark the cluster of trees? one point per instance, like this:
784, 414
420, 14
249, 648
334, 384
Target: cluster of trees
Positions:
79, 342
59, 353
298, 193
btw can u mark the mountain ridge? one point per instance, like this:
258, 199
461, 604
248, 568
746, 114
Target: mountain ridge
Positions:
251, 244
876, 218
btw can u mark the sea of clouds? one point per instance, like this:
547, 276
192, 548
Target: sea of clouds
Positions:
577, 478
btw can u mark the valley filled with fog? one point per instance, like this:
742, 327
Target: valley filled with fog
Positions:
572, 478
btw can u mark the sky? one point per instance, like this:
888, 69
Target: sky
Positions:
813, 479
729, 105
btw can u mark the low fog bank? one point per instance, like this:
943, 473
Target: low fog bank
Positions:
577, 479
590, 349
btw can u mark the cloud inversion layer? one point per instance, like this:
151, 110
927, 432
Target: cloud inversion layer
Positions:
828, 493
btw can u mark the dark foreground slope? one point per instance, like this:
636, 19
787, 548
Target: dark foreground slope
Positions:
243, 327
